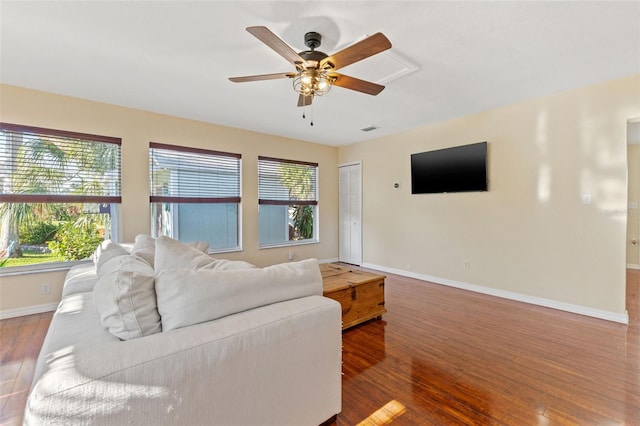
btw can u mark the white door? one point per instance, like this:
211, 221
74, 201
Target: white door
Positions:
350, 214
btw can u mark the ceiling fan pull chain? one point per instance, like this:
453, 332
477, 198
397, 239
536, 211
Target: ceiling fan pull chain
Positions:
304, 115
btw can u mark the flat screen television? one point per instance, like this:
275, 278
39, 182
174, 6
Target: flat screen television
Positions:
456, 169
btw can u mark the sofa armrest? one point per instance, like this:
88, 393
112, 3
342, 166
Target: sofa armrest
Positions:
277, 364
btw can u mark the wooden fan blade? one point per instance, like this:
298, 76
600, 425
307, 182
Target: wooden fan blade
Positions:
262, 77
356, 84
276, 43
356, 52
304, 100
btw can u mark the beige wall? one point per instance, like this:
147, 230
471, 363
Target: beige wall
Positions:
137, 129
530, 234
633, 224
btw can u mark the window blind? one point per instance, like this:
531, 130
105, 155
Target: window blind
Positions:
40, 165
287, 182
191, 175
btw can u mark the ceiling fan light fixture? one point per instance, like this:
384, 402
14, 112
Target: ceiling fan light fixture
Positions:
306, 79
312, 82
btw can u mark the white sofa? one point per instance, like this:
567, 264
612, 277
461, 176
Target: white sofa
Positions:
277, 361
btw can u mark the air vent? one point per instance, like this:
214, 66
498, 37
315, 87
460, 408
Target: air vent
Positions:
370, 128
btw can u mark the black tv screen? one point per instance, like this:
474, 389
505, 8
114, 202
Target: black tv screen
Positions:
457, 169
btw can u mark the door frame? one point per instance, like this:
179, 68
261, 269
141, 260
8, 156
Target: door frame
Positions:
348, 164
635, 264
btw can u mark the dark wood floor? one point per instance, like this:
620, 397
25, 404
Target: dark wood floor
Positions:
20, 342
445, 356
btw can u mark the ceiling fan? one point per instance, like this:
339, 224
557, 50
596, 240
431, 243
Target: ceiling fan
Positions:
315, 70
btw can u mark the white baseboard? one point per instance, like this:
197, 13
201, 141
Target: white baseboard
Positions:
568, 307
29, 310
548, 303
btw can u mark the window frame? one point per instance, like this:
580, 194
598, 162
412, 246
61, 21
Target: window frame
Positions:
115, 197
172, 199
280, 201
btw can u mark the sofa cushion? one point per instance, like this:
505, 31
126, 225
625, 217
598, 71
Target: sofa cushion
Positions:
173, 254
191, 296
125, 297
80, 279
75, 324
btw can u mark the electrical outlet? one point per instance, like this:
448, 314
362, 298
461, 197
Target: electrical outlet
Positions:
467, 265
290, 257
45, 288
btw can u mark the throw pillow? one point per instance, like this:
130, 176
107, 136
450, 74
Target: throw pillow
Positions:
191, 296
105, 251
172, 254
125, 297
202, 246
145, 247
228, 265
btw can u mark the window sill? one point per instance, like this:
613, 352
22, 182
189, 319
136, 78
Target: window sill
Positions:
288, 244
223, 251
40, 268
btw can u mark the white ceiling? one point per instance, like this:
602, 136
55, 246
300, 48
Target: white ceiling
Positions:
448, 59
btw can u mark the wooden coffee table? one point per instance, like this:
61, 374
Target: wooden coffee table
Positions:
360, 293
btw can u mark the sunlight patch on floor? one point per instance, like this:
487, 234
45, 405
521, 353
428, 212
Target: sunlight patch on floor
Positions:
384, 415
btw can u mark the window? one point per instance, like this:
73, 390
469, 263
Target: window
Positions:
59, 193
195, 195
287, 198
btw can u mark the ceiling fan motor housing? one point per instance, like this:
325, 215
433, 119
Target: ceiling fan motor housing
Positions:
312, 40
313, 55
